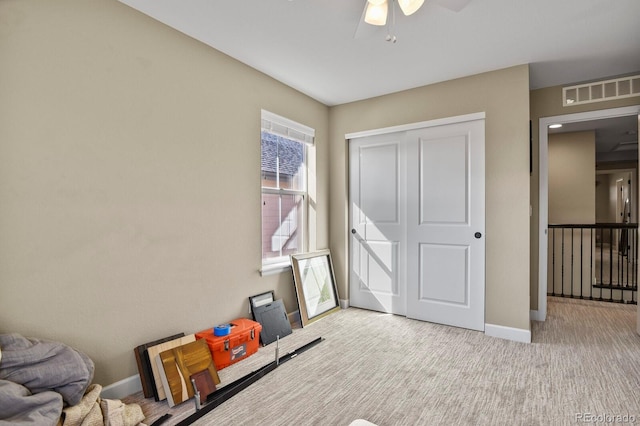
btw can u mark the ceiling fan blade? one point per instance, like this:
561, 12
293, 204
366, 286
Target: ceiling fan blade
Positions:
361, 23
364, 30
455, 5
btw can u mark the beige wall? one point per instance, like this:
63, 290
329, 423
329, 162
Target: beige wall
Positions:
504, 96
605, 211
130, 179
572, 175
547, 102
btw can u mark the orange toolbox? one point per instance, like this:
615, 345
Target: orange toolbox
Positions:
241, 342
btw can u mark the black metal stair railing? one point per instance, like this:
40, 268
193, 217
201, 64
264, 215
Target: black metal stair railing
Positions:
594, 262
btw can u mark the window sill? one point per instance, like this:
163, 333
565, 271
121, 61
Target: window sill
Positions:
275, 268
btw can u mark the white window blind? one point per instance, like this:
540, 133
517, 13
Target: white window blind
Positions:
277, 125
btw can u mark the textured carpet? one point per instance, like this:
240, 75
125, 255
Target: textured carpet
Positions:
584, 361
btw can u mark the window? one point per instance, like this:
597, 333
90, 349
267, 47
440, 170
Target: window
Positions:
284, 188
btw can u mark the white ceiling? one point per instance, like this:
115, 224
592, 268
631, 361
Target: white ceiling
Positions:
310, 44
616, 138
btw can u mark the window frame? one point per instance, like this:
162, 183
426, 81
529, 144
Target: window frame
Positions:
283, 127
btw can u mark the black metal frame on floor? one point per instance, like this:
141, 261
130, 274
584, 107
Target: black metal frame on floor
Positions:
228, 391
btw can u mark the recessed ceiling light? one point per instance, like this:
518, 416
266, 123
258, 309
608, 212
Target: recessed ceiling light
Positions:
555, 126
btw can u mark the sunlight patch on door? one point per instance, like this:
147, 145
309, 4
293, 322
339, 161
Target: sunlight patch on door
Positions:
377, 267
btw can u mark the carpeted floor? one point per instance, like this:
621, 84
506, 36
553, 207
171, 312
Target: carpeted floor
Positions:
584, 361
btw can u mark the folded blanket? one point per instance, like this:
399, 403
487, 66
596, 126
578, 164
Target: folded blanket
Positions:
41, 365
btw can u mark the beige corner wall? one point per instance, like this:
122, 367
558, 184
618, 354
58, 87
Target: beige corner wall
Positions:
504, 96
572, 175
547, 102
604, 207
130, 179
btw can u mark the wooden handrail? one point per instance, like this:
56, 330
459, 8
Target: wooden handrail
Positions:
595, 225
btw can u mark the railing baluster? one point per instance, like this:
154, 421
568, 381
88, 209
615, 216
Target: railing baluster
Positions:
562, 265
623, 232
634, 273
581, 262
632, 264
611, 265
571, 282
553, 264
635, 264
621, 251
621, 276
601, 261
628, 261
591, 277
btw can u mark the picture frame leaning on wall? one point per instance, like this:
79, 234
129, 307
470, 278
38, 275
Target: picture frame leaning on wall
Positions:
315, 285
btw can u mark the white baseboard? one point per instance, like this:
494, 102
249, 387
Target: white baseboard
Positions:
509, 333
537, 315
344, 303
294, 317
124, 387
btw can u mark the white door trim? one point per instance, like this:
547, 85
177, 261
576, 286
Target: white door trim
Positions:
543, 190
415, 126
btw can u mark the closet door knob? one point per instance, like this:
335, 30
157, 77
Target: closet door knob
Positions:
353, 231
477, 235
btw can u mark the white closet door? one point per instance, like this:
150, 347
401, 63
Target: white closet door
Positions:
446, 225
378, 223
417, 223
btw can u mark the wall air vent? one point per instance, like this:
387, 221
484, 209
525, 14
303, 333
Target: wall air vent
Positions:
598, 91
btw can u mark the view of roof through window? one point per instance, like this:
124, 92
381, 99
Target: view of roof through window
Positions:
278, 149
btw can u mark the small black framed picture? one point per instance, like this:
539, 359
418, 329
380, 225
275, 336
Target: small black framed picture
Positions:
260, 300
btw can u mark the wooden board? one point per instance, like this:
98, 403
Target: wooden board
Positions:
204, 383
144, 366
154, 354
178, 364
